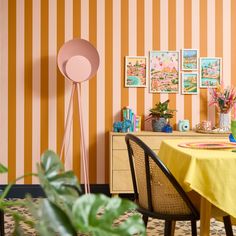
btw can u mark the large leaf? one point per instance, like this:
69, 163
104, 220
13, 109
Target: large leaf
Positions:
96, 214
61, 187
51, 164
52, 218
3, 169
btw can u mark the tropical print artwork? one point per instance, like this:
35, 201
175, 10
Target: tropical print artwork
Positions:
189, 59
136, 72
210, 71
164, 72
190, 83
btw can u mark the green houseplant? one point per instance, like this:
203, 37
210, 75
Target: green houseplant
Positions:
66, 211
160, 115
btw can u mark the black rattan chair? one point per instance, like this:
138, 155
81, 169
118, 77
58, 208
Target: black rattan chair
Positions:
228, 225
156, 191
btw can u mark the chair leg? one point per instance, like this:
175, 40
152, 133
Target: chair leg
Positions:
194, 227
228, 226
2, 223
169, 228
145, 220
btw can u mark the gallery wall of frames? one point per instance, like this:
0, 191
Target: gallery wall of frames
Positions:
173, 71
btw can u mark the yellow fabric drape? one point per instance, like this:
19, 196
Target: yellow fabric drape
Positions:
211, 173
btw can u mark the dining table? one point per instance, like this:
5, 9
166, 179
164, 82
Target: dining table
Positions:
207, 167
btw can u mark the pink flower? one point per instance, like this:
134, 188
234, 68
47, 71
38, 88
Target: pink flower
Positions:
222, 98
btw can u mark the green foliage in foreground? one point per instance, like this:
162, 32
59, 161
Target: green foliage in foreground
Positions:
66, 211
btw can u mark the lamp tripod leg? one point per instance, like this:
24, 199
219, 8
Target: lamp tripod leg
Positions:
83, 152
68, 119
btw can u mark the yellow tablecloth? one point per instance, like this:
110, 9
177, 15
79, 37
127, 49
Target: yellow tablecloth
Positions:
211, 173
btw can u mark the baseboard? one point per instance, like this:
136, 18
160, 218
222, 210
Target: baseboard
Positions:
35, 190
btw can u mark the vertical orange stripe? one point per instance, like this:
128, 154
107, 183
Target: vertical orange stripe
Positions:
233, 44
218, 33
76, 126
76, 18
108, 80
11, 90
203, 53
140, 52
124, 50
92, 97
219, 28
188, 44
172, 46
44, 76
156, 36
60, 78
28, 91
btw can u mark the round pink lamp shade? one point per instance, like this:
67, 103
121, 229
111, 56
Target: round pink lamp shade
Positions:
78, 60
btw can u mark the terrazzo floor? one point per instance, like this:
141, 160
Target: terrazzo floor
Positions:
155, 227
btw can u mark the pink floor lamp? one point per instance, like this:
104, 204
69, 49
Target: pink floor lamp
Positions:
78, 61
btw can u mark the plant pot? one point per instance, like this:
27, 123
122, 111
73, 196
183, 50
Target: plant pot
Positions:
158, 124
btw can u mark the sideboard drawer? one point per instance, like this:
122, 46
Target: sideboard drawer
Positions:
118, 142
120, 160
154, 142
122, 181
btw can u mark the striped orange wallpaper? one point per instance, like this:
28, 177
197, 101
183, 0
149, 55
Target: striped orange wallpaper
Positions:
34, 96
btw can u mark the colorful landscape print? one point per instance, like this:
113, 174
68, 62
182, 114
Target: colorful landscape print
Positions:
189, 59
164, 72
136, 75
210, 72
189, 83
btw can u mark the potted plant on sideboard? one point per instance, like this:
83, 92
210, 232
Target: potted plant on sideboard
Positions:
160, 115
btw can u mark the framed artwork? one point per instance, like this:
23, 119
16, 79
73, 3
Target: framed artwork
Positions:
189, 82
210, 71
189, 59
164, 72
135, 71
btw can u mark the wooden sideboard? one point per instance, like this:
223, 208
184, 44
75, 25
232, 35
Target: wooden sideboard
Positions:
120, 175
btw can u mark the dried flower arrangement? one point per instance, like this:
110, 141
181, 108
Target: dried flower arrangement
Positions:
223, 98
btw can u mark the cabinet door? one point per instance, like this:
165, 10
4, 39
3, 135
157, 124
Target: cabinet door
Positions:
120, 160
122, 181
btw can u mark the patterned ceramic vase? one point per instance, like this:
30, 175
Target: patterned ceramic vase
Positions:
158, 124
224, 122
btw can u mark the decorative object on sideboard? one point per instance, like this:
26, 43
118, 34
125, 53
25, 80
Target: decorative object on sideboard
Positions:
167, 128
232, 136
78, 61
160, 115
183, 125
224, 99
130, 122
122, 126
204, 125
